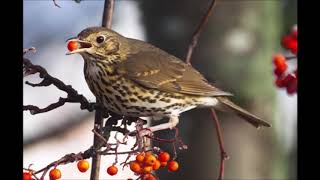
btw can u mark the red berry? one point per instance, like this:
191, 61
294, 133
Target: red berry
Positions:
164, 157
286, 41
150, 159
289, 42
279, 71
83, 165
140, 158
291, 89
135, 167
173, 166
292, 83
289, 79
156, 165
294, 47
148, 176
55, 174
279, 83
147, 169
72, 45
27, 176
112, 170
279, 60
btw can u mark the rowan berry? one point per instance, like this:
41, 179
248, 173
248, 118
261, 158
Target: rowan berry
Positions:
148, 177
55, 174
83, 165
156, 165
72, 45
147, 169
164, 157
27, 176
149, 159
112, 170
140, 158
135, 167
173, 166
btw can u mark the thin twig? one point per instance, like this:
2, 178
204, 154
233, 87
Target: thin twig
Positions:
224, 155
72, 95
197, 33
55, 3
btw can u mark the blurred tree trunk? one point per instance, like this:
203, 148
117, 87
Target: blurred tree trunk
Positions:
234, 53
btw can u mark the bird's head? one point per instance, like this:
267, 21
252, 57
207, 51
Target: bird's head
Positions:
98, 43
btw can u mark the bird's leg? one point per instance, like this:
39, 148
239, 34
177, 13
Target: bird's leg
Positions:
173, 121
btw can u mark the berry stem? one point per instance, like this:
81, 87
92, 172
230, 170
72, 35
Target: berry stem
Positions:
290, 57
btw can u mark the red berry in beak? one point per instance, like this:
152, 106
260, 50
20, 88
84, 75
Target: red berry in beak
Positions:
72, 45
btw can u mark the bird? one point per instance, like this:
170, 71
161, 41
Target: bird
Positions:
134, 78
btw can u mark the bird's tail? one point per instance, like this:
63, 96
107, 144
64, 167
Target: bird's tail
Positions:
225, 103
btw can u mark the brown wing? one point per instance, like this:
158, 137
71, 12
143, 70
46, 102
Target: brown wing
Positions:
159, 70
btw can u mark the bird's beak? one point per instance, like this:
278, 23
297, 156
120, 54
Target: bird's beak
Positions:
83, 46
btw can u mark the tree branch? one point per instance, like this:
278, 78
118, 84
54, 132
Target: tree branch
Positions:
192, 45
223, 153
197, 33
72, 95
107, 13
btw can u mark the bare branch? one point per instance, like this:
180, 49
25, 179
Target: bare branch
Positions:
223, 153
72, 95
197, 33
55, 3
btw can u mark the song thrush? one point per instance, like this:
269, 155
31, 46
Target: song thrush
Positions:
134, 78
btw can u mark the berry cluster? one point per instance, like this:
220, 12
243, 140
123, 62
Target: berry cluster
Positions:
285, 79
145, 163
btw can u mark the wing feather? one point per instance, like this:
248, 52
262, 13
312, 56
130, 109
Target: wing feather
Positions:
159, 70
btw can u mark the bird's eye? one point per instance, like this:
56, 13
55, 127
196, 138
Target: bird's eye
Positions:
100, 39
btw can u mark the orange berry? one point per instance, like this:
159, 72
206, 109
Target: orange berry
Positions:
148, 177
27, 176
83, 165
147, 169
150, 159
164, 157
156, 165
55, 174
279, 60
140, 158
72, 45
173, 166
135, 167
112, 170
163, 164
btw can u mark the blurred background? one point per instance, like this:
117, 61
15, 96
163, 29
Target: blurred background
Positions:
234, 52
